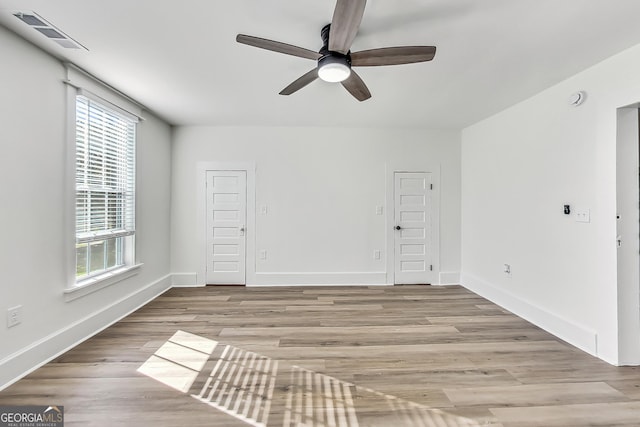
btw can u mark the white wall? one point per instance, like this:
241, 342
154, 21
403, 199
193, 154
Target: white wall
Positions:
32, 249
519, 168
321, 187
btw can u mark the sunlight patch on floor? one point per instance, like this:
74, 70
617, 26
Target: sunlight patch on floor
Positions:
318, 400
242, 383
178, 361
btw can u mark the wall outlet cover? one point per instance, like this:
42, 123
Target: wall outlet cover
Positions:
583, 215
14, 316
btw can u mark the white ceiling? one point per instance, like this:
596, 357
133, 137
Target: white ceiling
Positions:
180, 58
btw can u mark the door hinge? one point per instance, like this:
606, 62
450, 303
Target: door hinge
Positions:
431, 268
431, 186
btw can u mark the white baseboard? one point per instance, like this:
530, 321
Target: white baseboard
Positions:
184, 280
30, 358
449, 278
326, 279
576, 335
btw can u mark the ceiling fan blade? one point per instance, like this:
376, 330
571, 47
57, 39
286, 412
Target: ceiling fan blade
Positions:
345, 23
277, 46
356, 87
393, 56
300, 82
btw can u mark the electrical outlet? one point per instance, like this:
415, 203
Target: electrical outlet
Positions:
376, 254
14, 316
263, 254
378, 210
583, 215
264, 210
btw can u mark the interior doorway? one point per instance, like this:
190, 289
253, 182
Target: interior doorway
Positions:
226, 227
412, 230
628, 234
228, 238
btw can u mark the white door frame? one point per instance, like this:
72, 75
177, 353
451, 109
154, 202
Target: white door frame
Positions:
418, 166
628, 261
201, 220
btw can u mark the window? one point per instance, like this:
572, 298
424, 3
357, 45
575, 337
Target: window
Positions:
105, 188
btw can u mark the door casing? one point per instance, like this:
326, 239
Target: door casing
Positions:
627, 227
201, 225
415, 166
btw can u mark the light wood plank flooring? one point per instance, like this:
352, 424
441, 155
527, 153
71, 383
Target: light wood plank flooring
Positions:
330, 356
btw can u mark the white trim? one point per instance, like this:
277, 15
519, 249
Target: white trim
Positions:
108, 104
627, 260
70, 190
75, 289
449, 278
95, 283
82, 81
184, 280
412, 166
28, 359
321, 279
201, 206
576, 335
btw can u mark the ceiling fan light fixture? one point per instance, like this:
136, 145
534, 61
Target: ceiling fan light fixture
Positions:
334, 69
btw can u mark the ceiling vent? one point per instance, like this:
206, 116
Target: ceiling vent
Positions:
41, 25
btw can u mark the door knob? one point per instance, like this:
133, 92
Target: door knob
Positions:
398, 227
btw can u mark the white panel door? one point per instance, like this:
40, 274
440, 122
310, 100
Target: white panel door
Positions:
226, 225
412, 231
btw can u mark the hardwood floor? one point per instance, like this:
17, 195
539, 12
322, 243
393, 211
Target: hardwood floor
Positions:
330, 356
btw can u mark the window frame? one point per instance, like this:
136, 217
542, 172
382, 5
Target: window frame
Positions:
79, 83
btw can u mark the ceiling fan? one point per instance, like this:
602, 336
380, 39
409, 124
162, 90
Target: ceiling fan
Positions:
334, 60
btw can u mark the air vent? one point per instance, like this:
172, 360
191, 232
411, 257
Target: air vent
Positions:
51, 33
30, 20
41, 25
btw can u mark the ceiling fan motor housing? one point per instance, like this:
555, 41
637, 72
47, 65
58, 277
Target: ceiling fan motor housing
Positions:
331, 59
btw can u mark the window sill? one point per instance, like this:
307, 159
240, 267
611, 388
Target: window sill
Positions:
87, 286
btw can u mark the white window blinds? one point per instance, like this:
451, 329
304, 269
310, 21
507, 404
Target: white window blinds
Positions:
105, 172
